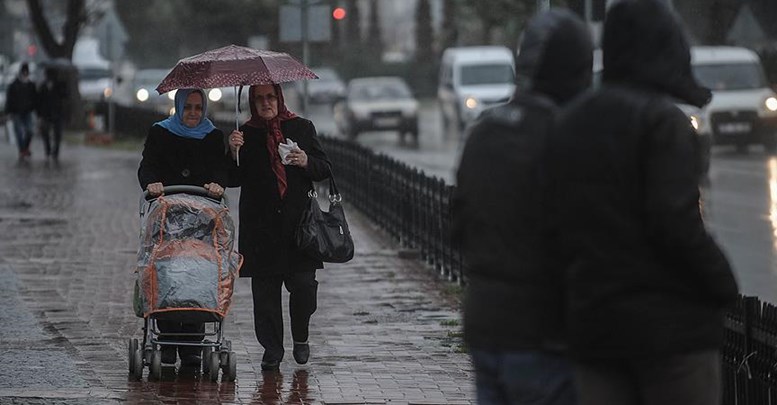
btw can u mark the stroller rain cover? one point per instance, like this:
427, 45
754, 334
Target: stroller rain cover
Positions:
186, 264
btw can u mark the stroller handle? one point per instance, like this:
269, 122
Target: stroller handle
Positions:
182, 189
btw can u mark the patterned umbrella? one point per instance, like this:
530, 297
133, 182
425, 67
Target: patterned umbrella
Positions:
234, 65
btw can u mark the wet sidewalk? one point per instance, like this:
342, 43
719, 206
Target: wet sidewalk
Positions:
385, 330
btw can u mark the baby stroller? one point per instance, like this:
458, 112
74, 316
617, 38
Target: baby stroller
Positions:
186, 272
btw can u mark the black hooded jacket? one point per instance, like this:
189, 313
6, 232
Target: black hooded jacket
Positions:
644, 276
512, 299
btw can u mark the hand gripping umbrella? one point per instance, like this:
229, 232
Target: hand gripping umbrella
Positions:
233, 66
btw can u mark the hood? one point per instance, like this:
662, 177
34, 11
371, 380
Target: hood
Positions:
644, 44
555, 56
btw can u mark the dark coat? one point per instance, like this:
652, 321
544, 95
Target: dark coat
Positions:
50, 100
267, 222
514, 300
644, 276
174, 160
21, 97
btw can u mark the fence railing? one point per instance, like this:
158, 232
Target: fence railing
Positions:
415, 209
410, 206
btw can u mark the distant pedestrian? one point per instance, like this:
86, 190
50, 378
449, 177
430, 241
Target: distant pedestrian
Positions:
647, 284
273, 194
50, 109
513, 320
19, 105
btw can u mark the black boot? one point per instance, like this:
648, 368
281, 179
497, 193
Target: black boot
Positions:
301, 352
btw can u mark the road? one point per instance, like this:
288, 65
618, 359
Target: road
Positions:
740, 204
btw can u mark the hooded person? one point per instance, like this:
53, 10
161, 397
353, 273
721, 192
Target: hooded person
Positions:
184, 149
280, 158
647, 284
20, 104
513, 320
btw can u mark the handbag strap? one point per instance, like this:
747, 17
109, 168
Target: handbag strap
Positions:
334, 193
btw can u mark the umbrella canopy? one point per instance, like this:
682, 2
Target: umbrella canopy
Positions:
234, 65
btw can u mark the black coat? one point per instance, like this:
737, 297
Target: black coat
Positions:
21, 97
514, 298
267, 222
644, 276
50, 100
174, 160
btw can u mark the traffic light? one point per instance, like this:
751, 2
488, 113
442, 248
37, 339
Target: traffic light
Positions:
338, 13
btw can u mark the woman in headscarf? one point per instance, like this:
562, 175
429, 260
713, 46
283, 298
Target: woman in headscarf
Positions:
184, 149
273, 196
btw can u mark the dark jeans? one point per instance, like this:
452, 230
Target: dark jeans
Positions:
22, 125
690, 379
268, 316
49, 127
523, 377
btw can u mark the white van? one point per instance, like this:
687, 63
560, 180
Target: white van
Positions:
743, 110
471, 80
95, 77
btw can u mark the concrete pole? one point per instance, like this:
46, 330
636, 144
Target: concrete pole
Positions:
588, 12
304, 33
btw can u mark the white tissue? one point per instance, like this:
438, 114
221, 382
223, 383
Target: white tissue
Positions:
285, 148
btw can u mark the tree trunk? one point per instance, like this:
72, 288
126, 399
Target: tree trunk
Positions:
76, 17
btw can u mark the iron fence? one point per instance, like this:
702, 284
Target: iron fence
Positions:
410, 206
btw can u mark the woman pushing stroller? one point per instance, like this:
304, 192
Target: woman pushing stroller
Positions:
184, 149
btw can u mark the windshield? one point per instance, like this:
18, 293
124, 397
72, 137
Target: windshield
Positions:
94, 73
377, 90
486, 74
732, 76
149, 77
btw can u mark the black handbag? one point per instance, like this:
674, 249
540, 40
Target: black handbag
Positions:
324, 235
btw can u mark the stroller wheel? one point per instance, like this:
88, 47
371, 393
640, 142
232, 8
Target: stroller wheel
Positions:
156, 364
230, 370
206, 351
137, 371
132, 348
214, 366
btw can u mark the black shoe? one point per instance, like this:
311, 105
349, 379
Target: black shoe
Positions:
270, 362
301, 352
168, 355
271, 365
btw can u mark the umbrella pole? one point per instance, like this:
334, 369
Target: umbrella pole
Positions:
237, 126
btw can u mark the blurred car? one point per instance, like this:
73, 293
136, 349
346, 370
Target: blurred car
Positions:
377, 104
743, 110
328, 88
144, 91
471, 79
95, 83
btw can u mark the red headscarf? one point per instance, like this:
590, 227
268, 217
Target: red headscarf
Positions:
274, 134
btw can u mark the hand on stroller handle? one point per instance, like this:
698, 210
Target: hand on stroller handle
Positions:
184, 189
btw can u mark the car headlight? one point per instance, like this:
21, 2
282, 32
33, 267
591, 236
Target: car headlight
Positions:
142, 95
171, 95
360, 114
471, 103
771, 104
696, 122
214, 95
